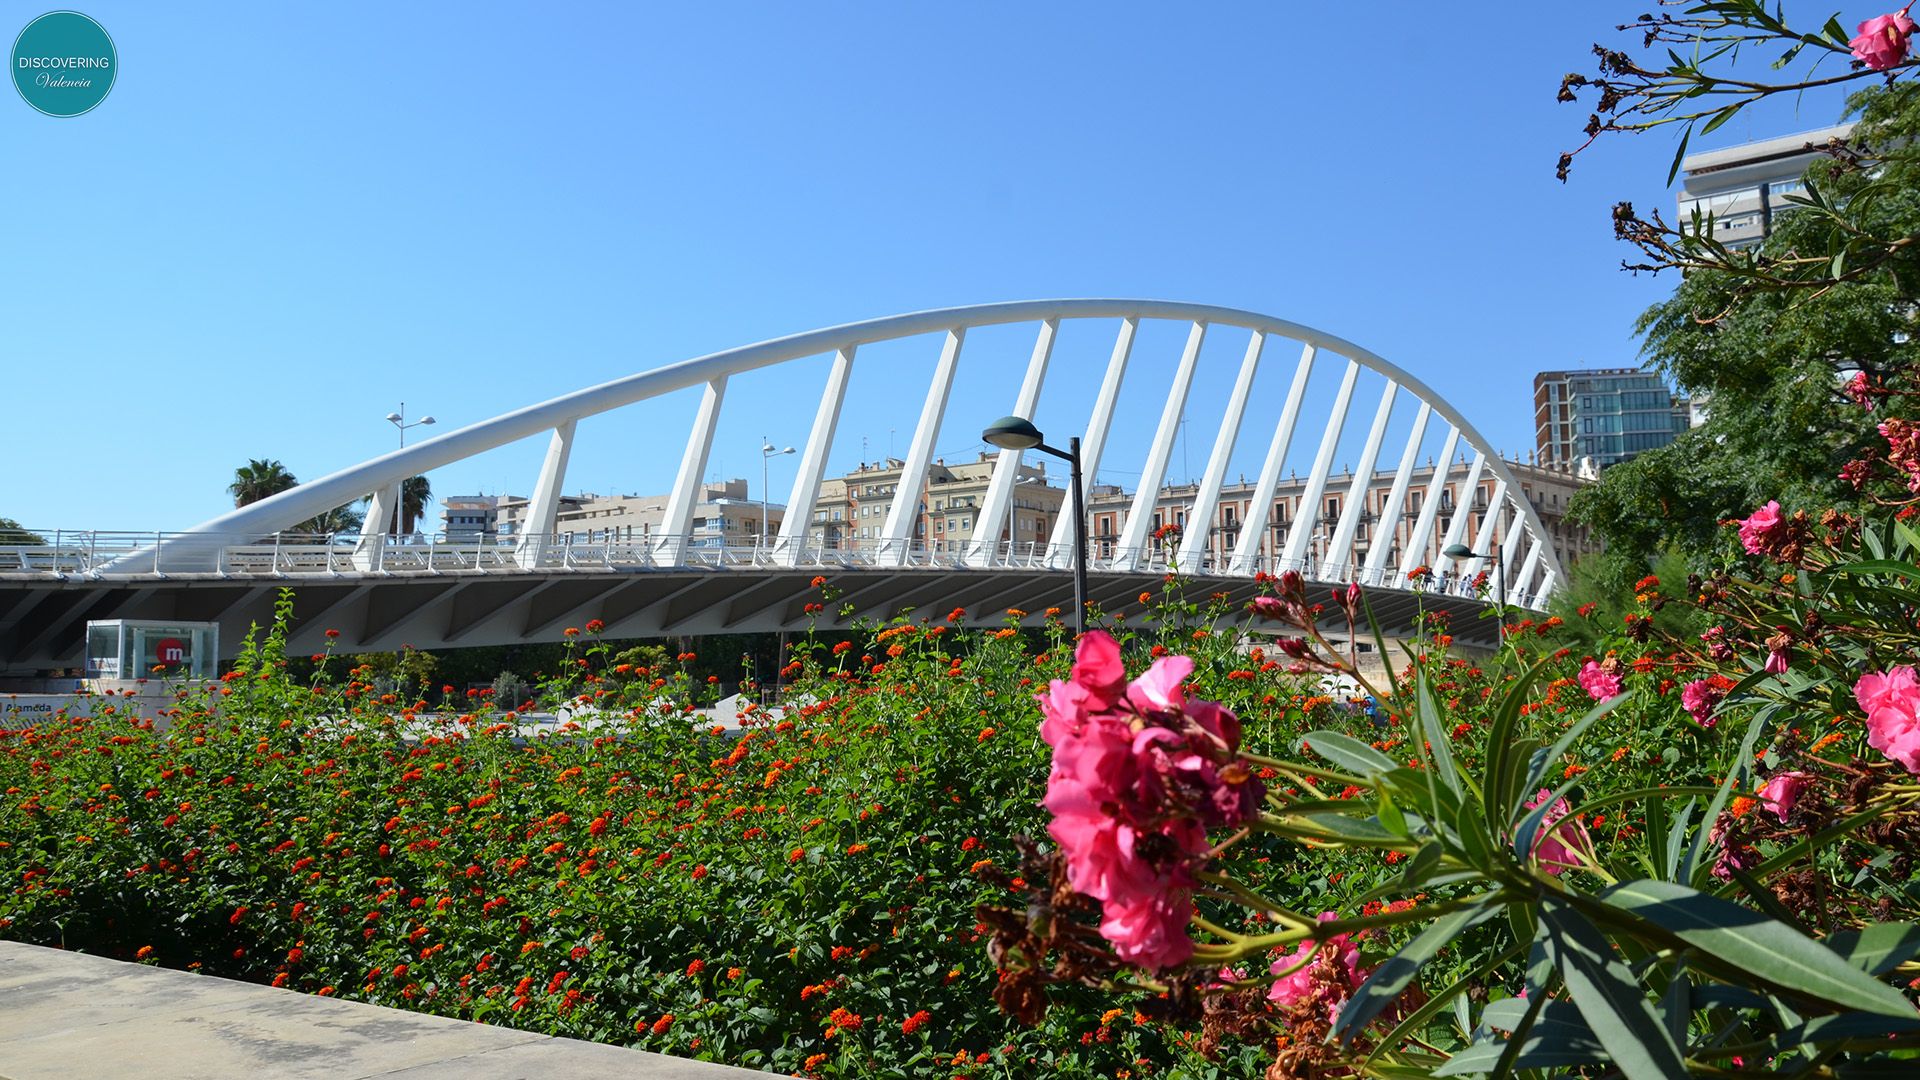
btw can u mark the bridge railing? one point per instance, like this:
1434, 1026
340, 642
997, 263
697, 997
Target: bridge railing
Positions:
67, 554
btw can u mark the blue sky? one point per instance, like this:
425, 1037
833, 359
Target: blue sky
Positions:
285, 220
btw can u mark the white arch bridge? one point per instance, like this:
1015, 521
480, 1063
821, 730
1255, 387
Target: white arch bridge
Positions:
380, 592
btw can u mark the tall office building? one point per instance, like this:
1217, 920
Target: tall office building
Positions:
1744, 186
1588, 420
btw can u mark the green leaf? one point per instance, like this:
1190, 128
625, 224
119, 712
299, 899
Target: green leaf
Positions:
1680, 153
1771, 951
1390, 816
1436, 736
1499, 747
1392, 978
1879, 947
1349, 752
1870, 1030
1609, 999
1351, 829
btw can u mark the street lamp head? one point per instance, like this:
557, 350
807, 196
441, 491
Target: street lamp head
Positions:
1012, 433
1459, 551
788, 450
393, 418
426, 420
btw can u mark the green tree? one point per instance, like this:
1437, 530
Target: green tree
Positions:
415, 493
1773, 366
258, 479
340, 519
12, 533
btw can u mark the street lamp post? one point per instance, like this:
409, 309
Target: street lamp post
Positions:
1015, 433
767, 454
1463, 553
399, 420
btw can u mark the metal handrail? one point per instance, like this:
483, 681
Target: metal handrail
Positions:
295, 556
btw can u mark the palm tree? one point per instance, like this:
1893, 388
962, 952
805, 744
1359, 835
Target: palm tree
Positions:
340, 519
415, 494
257, 479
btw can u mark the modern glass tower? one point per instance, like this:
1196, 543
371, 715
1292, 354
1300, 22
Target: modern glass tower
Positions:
1603, 416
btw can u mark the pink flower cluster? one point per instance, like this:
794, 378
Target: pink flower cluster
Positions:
1903, 448
1140, 773
1782, 791
1701, 696
1601, 682
1882, 41
1892, 702
1757, 530
1338, 957
1563, 843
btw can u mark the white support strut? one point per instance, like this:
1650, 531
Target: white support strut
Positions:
1058, 552
1133, 539
813, 461
675, 529
1253, 530
995, 507
543, 510
1351, 513
904, 511
1463, 501
1301, 534
1389, 527
1416, 553
1193, 548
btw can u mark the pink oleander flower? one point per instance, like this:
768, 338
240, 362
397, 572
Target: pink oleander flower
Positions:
1782, 790
1860, 390
1268, 607
1701, 696
1882, 42
1757, 530
1903, 448
1600, 683
1563, 843
1151, 931
1140, 772
1298, 985
1892, 703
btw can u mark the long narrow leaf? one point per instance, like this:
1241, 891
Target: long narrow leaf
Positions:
1770, 950
1349, 753
1609, 1000
1392, 978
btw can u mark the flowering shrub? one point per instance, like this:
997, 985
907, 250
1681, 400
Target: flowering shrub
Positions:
798, 895
1688, 857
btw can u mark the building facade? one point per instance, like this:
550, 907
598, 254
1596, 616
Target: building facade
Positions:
724, 517
1588, 420
1743, 187
852, 509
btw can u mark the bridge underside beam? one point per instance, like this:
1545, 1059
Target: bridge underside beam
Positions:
450, 611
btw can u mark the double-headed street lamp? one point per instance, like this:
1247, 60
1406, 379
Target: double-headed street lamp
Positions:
1463, 553
1014, 433
767, 453
399, 420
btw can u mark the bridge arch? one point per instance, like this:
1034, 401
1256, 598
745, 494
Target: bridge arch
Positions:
1529, 567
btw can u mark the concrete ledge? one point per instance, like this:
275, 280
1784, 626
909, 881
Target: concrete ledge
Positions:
66, 1015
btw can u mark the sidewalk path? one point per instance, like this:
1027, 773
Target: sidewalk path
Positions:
71, 1016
